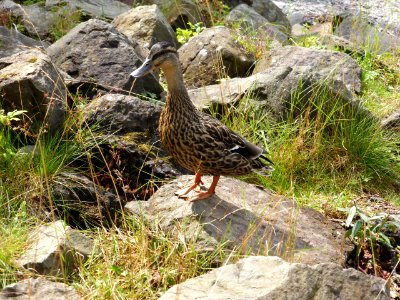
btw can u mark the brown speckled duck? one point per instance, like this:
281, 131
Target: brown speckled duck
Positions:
196, 140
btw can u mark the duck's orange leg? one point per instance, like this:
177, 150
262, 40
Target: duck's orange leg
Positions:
185, 191
204, 195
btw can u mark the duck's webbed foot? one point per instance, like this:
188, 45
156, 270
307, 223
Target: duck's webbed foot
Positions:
194, 195
184, 192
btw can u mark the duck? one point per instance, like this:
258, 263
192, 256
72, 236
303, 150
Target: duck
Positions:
194, 139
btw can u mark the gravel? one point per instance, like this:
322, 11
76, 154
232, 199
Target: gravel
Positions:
384, 13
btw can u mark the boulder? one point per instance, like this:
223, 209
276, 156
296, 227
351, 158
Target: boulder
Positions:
179, 13
39, 288
324, 65
29, 81
121, 114
251, 21
212, 55
82, 203
270, 11
145, 25
259, 277
94, 51
8, 5
12, 42
333, 41
37, 21
392, 121
246, 218
227, 93
362, 34
130, 126
384, 14
98, 8
318, 29
271, 92
55, 249
9, 12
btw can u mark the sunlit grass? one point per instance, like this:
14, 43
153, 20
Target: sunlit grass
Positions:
325, 147
141, 261
326, 155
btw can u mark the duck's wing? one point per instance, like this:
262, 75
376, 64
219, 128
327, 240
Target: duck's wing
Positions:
230, 139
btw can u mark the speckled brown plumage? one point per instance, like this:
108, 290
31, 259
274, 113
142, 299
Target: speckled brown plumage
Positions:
196, 140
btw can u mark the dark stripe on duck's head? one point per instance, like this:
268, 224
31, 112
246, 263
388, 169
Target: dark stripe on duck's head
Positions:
161, 49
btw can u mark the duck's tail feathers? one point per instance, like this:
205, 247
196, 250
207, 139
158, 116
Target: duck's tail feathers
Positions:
262, 156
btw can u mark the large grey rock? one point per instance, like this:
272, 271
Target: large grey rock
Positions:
12, 42
246, 218
271, 92
99, 8
145, 25
55, 249
179, 13
251, 21
39, 288
212, 55
362, 34
269, 10
38, 21
121, 114
82, 203
131, 126
7, 5
384, 14
29, 81
94, 51
392, 121
228, 92
324, 65
272, 278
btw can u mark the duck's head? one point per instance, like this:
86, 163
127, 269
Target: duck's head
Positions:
162, 55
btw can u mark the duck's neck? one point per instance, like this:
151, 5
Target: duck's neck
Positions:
178, 97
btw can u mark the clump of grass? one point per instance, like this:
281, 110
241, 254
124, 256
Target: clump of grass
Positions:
324, 146
141, 261
14, 228
31, 2
64, 21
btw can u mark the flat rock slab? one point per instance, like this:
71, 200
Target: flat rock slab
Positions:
55, 248
324, 65
247, 218
271, 91
29, 81
39, 288
261, 277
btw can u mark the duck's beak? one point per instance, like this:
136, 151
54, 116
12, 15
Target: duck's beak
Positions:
143, 70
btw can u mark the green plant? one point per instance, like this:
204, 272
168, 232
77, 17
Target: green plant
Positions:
321, 145
65, 20
7, 149
31, 2
184, 35
218, 12
370, 235
6, 119
309, 41
141, 260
